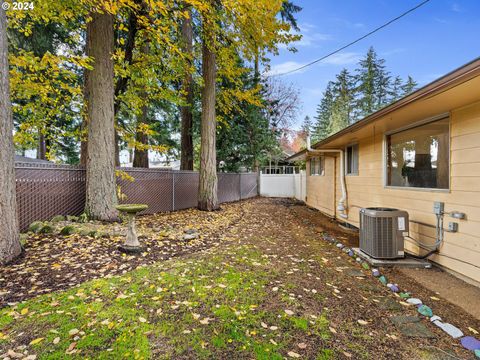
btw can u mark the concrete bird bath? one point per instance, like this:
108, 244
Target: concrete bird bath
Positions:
131, 245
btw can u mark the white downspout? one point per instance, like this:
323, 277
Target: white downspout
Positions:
342, 203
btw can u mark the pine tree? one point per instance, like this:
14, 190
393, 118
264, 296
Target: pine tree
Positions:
101, 188
307, 126
409, 86
344, 93
338, 119
10, 246
186, 111
373, 82
207, 188
396, 91
324, 110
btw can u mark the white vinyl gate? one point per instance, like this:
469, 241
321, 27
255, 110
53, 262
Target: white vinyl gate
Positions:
284, 185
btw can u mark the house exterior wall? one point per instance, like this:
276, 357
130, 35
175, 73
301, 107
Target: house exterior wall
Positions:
321, 188
460, 252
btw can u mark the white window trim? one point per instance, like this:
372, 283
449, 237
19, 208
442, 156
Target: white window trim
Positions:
408, 127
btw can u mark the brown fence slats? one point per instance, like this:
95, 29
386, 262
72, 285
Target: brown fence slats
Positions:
45, 190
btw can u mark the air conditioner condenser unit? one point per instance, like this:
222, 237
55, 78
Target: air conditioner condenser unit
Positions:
382, 232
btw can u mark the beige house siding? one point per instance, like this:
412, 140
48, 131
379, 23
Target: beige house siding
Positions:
460, 251
320, 188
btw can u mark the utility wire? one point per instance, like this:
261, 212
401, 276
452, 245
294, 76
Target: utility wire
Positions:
355, 41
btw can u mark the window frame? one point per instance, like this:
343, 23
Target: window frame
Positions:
353, 146
409, 127
321, 160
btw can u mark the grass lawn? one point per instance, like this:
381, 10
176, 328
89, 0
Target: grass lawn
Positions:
264, 291
208, 306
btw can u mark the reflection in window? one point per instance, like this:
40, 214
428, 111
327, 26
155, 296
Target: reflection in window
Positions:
317, 166
419, 157
351, 160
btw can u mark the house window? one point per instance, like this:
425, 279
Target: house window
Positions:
419, 157
317, 166
351, 160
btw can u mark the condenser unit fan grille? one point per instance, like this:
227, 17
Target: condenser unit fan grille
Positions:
381, 232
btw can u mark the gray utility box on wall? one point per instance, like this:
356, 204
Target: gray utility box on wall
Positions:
382, 232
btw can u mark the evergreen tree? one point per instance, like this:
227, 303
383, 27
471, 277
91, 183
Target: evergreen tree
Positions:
307, 126
396, 91
409, 86
344, 93
10, 246
373, 82
351, 98
324, 109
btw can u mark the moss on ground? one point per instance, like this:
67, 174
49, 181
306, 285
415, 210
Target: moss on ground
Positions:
205, 307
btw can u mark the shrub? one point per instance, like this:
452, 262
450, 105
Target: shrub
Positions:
83, 218
47, 228
67, 230
58, 218
35, 226
72, 218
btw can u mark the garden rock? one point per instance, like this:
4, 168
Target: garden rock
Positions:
375, 272
389, 304
451, 330
414, 301
393, 287
365, 266
354, 272
425, 310
188, 237
383, 280
470, 343
477, 353
411, 326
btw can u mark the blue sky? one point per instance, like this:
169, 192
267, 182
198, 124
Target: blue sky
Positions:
435, 39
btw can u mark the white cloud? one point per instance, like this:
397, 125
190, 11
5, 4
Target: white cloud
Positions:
456, 7
285, 67
310, 37
343, 58
349, 24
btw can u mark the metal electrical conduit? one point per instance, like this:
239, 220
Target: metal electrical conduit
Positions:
342, 203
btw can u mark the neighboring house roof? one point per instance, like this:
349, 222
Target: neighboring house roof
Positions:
24, 159
452, 79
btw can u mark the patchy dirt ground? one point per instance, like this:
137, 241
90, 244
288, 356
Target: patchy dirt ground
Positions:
56, 262
272, 288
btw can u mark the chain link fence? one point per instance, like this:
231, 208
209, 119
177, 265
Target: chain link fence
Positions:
46, 190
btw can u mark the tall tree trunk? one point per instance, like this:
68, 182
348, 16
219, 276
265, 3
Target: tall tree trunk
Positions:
101, 187
207, 190
140, 157
10, 246
41, 147
122, 82
186, 160
84, 126
117, 148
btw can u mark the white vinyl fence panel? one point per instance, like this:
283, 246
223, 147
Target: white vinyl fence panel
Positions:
284, 185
